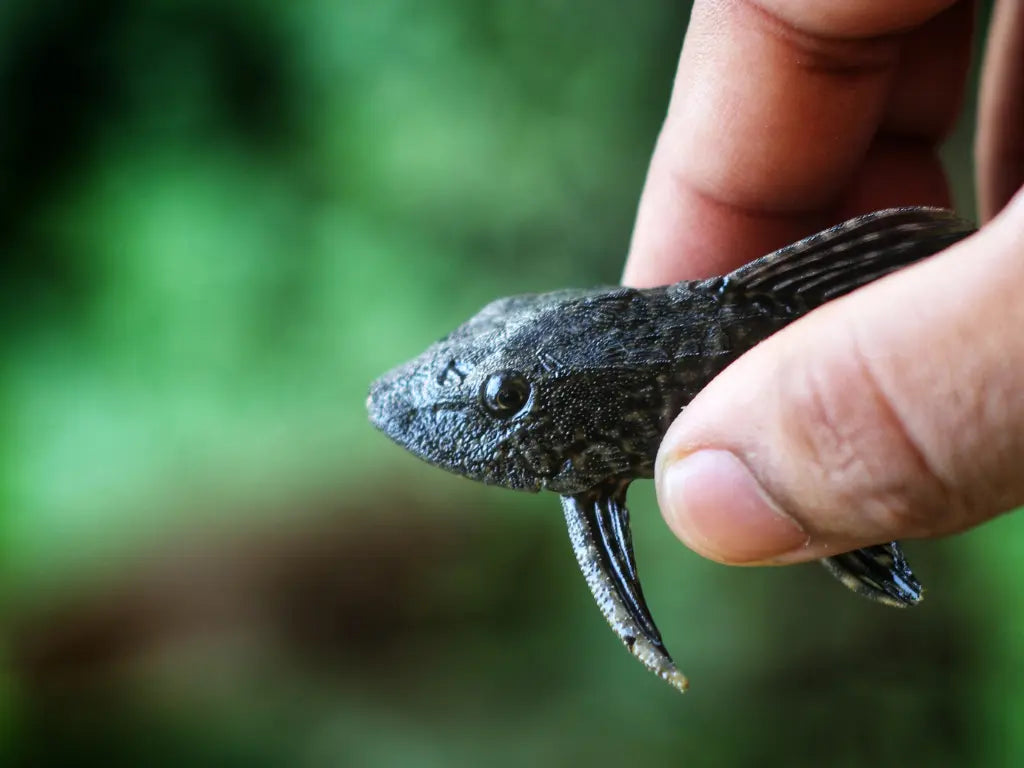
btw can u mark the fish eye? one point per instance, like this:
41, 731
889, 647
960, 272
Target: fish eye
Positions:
504, 394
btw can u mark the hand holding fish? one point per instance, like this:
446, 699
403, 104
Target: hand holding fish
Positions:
897, 411
862, 383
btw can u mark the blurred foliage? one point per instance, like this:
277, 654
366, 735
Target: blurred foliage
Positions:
221, 220
226, 218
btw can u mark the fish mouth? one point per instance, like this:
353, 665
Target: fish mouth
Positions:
391, 410
374, 403
382, 404
598, 523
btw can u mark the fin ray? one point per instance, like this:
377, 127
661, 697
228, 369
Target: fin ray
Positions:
845, 257
598, 523
880, 573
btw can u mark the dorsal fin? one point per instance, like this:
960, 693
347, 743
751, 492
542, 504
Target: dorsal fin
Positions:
845, 257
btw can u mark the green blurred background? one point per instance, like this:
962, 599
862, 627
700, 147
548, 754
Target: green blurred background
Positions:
221, 220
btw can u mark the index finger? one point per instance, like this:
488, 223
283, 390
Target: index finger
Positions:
788, 115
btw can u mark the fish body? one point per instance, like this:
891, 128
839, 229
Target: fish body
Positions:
571, 391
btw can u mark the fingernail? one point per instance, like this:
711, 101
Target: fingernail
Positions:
713, 503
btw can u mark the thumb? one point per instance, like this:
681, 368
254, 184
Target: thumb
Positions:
894, 412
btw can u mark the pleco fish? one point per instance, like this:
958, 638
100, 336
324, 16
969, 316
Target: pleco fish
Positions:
572, 391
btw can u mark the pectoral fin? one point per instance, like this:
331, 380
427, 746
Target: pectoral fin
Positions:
598, 524
880, 573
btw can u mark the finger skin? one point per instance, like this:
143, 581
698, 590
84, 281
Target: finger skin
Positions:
783, 119
894, 412
1000, 142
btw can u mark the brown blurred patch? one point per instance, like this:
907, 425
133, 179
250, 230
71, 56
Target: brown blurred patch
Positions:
344, 588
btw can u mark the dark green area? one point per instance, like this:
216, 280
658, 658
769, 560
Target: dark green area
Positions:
220, 220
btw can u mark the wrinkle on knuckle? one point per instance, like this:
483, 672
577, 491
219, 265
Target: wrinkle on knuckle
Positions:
835, 55
853, 19
818, 425
726, 199
932, 500
795, 134
844, 423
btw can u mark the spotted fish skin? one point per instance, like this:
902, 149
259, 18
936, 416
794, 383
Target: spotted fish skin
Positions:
572, 391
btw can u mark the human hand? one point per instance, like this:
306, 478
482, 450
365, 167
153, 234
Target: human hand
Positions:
896, 411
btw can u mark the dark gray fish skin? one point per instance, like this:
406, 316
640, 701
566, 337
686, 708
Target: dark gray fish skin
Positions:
572, 391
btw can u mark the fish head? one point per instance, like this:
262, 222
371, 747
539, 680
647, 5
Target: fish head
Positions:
517, 397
